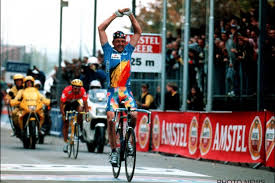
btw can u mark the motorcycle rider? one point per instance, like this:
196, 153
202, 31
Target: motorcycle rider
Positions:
21, 96
18, 85
95, 84
70, 100
90, 73
47, 122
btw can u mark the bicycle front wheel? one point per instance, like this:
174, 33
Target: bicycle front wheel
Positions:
70, 148
76, 140
130, 154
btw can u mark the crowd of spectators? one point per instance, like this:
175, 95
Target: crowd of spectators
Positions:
86, 69
235, 57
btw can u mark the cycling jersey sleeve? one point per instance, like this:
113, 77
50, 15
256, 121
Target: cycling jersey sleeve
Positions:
63, 96
130, 49
107, 48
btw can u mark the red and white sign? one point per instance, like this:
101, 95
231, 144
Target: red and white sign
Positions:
172, 131
270, 140
235, 137
147, 53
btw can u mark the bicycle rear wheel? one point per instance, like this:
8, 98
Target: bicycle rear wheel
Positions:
130, 154
76, 140
116, 170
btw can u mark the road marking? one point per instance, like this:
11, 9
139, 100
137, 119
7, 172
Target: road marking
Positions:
92, 168
98, 178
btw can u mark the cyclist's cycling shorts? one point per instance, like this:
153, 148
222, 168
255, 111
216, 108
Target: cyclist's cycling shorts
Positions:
69, 106
116, 95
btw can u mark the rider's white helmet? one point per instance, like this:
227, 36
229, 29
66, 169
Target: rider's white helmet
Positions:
95, 84
37, 82
92, 60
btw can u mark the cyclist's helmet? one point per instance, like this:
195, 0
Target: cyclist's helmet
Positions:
77, 82
18, 76
119, 34
95, 84
28, 78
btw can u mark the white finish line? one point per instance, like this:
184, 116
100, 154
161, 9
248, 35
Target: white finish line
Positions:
91, 168
97, 178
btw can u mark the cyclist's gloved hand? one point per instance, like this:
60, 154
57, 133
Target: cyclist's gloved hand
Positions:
128, 12
118, 14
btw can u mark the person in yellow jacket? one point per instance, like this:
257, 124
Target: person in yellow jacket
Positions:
29, 93
18, 85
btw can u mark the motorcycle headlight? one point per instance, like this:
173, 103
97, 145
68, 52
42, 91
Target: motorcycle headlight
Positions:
100, 112
32, 107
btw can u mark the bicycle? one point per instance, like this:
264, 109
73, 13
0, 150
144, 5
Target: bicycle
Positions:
126, 137
74, 130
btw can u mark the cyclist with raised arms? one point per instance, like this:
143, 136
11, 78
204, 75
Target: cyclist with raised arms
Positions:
118, 70
70, 100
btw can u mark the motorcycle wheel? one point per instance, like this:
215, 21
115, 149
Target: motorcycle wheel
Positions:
100, 139
26, 141
90, 146
32, 128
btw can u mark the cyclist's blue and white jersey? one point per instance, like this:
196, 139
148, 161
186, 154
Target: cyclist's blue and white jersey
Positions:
118, 65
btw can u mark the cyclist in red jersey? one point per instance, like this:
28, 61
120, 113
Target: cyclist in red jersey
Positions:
70, 100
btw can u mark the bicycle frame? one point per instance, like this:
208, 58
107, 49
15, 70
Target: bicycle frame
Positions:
74, 136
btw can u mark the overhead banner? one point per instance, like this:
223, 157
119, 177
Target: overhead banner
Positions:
176, 133
270, 140
147, 53
142, 132
235, 137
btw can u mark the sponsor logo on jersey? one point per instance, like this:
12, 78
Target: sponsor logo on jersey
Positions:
193, 136
116, 56
255, 138
206, 136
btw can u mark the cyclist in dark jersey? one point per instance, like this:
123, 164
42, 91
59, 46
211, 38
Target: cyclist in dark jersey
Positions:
118, 70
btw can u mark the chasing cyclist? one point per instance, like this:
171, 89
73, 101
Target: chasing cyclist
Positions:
70, 100
118, 69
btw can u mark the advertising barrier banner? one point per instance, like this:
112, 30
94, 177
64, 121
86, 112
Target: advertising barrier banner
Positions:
176, 133
245, 137
235, 137
270, 140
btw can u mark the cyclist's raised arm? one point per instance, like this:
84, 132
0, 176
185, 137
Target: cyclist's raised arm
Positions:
103, 26
137, 30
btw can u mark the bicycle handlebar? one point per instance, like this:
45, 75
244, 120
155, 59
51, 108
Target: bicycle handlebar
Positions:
74, 112
133, 110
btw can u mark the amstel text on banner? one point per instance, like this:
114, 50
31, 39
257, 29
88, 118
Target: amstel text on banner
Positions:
176, 133
235, 137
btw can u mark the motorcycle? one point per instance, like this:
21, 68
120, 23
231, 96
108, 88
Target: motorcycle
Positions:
94, 131
31, 105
